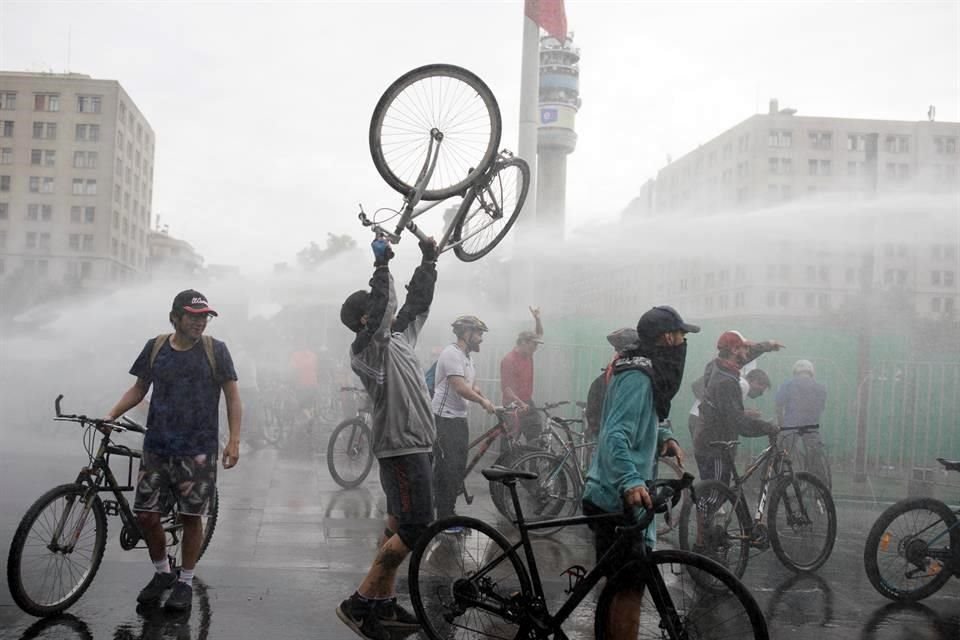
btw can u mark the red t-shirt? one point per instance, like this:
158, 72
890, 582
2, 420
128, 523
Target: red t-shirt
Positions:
304, 365
516, 372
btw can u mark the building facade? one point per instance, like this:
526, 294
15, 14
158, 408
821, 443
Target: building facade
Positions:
76, 178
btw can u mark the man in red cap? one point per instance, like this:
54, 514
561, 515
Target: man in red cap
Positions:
187, 370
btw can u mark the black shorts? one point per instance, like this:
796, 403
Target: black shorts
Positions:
407, 482
191, 481
604, 532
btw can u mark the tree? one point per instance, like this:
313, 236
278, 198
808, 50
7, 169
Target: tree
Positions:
312, 255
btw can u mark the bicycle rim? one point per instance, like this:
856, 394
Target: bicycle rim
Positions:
490, 214
44, 580
802, 522
441, 97
349, 454
459, 565
676, 606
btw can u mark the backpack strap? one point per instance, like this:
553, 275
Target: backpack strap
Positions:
158, 343
208, 349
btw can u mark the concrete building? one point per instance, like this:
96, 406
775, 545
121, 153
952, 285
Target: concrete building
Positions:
76, 178
171, 256
556, 135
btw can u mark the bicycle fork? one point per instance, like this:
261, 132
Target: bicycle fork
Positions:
74, 535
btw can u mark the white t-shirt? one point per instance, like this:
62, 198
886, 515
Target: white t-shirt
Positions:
447, 403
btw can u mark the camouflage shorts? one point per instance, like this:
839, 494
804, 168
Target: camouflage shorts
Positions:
191, 481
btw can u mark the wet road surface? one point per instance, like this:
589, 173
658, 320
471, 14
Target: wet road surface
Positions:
289, 545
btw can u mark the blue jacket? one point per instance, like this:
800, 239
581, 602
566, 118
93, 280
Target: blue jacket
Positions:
629, 441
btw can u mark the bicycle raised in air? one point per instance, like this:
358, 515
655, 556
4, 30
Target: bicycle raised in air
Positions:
350, 448
801, 519
914, 547
59, 544
475, 583
434, 135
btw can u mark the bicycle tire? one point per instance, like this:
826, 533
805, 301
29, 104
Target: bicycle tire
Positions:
438, 598
905, 551
498, 492
20, 588
791, 492
174, 530
359, 453
726, 541
494, 207
555, 493
472, 134
668, 521
731, 614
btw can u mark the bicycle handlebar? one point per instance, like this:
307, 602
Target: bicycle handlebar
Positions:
123, 424
547, 406
664, 494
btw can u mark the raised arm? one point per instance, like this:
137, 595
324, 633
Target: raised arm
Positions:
413, 314
382, 302
537, 323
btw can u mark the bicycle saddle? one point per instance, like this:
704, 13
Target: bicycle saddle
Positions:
949, 465
724, 445
503, 474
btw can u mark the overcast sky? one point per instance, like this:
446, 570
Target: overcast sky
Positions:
261, 109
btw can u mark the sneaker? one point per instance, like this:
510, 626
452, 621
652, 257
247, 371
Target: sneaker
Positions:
159, 583
393, 616
181, 598
363, 624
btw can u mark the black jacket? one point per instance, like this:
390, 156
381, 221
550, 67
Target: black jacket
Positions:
721, 412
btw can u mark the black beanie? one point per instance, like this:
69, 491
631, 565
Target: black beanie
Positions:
353, 309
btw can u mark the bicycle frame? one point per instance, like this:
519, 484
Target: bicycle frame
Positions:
775, 463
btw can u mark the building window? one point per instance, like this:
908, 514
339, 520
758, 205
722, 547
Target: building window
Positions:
4, 183
948, 278
85, 159
44, 157
46, 102
856, 142
809, 300
88, 242
88, 104
780, 165
45, 130
116, 193
73, 242
6, 155
4, 211
783, 299
86, 269
42, 212
114, 247
897, 144
780, 138
821, 139
771, 298
945, 144
6, 128
819, 167
87, 132
41, 185
31, 242
856, 168
8, 100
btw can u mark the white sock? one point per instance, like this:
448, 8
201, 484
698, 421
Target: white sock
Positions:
162, 566
186, 575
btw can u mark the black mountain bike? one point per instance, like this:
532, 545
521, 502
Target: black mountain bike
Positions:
801, 519
475, 583
57, 549
914, 547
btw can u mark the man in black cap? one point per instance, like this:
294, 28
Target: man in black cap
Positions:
645, 378
187, 371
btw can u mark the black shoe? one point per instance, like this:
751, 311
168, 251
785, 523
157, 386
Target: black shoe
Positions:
363, 621
159, 583
181, 598
393, 616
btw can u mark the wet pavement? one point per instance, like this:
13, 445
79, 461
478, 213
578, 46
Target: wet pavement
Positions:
289, 545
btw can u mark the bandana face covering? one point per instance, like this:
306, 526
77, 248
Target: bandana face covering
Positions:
664, 366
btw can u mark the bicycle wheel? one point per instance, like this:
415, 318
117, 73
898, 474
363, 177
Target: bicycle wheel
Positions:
554, 493
173, 528
716, 525
349, 453
498, 492
435, 99
802, 521
487, 217
904, 546
466, 581
668, 468
56, 550
685, 611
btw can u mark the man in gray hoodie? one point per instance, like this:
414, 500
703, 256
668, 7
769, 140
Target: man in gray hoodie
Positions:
382, 355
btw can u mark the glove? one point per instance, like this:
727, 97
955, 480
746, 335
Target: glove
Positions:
429, 250
381, 251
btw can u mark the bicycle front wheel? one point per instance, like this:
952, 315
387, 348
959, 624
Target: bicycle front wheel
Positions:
803, 522
467, 581
907, 548
486, 218
554, 493
349, 453
56, 550
438, 104
670, 603
716, 525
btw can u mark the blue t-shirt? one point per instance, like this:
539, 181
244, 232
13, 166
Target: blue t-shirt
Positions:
801, 400
184, 417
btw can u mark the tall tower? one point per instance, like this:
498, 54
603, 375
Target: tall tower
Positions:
559, 103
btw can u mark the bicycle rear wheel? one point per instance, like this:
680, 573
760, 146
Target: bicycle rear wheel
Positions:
716, 525
349, 454
802, 521
466, 581
437, 98
685, 610
488, 216
56, 550
907, 548
554, 493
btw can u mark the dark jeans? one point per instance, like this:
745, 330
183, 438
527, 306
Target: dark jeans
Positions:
450, 462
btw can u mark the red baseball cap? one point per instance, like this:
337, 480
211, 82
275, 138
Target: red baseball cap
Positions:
730, 340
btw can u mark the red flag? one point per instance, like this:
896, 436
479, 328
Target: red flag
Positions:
549, 14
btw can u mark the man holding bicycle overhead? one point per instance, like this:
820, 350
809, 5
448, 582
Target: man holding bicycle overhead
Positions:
187, 371
382, 355
454, 389
645, 378
516, 379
